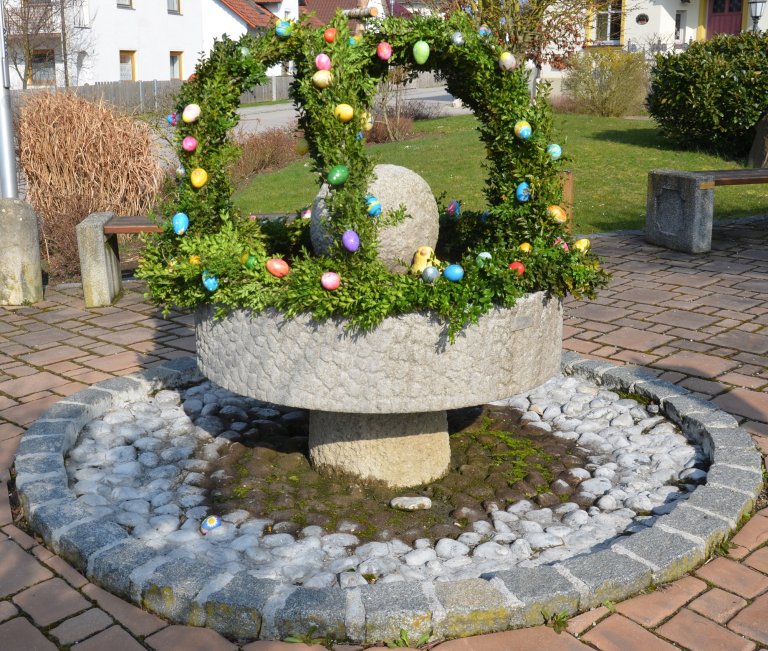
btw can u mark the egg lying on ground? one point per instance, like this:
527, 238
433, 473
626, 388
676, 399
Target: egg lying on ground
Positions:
189, 143
210, 523
350, 240
278, 267
454, 272
430, 274
198, 177
330, 280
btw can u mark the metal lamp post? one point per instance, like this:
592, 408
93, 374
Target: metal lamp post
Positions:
756, 8
8, 183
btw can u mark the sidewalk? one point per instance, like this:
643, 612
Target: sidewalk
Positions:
702, 321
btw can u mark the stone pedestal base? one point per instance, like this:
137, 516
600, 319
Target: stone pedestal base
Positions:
399, 449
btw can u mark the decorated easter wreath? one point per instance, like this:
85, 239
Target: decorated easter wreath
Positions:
209, 254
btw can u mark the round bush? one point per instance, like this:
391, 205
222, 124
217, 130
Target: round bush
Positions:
712, 96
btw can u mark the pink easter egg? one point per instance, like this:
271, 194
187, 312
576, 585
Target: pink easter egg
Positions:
189, 143
330, 280
323, 61
384, 51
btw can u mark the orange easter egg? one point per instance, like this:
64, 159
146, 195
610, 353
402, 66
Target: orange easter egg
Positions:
277, 267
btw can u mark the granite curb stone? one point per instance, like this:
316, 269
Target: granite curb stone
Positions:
245, 607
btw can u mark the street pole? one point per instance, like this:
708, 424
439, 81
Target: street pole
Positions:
8, 182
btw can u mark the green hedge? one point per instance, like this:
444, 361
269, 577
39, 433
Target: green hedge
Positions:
712, 96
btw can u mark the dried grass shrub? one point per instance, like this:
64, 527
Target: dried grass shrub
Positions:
262, 152
81, 157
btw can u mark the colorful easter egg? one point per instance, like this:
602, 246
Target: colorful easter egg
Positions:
582, 245
250, 262
330, 280
430, 274
323, 61
180, 223
482, 258
344, 112
284, 28
507, 61
195, 260
329, 35
306, 213
359, 135
525, 247
518, 267
210, 282
338, 175
485, 215
559, 241
210, 523
454, 272
554, 151
302, 146
372, 205
198, 177
191, 77
523, 191
454, 209
421, 52
484, 30
245, 52
354, 40
278, 267
191, 113
322, 78
350, 240
189, 143
384, 51
557, 213
523, 129
172, 120
367, 120
457, 38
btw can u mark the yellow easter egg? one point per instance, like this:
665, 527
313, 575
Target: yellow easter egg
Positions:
198, 177
558, 214
525, 247
344, 112
322, 78
582, 245
367, 121
302, 146
194, 259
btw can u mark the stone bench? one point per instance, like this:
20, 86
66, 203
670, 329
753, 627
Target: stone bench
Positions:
680, 205
100, 255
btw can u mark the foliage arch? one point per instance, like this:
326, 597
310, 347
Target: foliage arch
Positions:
220, 244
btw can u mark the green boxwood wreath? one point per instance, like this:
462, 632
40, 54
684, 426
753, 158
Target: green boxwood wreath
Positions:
223, 248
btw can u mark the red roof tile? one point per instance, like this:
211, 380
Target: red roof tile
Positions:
253, 14
324, 10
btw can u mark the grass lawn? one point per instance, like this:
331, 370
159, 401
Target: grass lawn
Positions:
610, 158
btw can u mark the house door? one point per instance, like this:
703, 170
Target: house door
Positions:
725, 17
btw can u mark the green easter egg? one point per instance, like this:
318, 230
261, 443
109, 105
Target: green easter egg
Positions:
421, 52
338, 175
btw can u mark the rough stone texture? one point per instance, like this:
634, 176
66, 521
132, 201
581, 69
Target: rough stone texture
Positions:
679, 212
399, 449
79, 542
405, 365
247, 607
21, 278
758, 154
99, 260
393, 186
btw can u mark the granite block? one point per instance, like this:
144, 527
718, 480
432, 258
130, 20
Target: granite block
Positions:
472, 607
539, 589
78, 543
112, 568
236, 610
171, 590
307, 610
672, 554
390, 607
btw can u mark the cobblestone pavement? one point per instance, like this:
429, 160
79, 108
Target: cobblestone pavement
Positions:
700, 321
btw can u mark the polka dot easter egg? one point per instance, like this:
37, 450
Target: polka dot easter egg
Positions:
210, 523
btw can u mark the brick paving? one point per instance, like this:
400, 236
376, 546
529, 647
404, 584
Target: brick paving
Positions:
699, 321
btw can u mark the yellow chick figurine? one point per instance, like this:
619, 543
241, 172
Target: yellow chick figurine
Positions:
423, 258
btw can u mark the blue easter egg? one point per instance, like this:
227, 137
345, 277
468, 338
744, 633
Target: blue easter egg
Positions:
482, 258
454, 209
430, 274
351, 240
484, 30
359, 135
284, 29
171, 117
554, 151
458, 39
523, 129
485, 215
210, 523
454, 273
372, 206
210, 282
180, 223
523, 192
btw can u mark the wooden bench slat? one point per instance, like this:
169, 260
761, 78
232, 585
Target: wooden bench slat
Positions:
130, 224
738, 177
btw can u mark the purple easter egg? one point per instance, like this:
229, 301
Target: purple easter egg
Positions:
351, 240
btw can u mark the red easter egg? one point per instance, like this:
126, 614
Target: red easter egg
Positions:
277, 267
518, 267
329, 35
384, 51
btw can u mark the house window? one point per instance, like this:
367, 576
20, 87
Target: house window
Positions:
127, 65
608, 23
679, 27
128, 4
174, 6
175, 65
42, 69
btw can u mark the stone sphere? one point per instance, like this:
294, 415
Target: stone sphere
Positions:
393, 186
